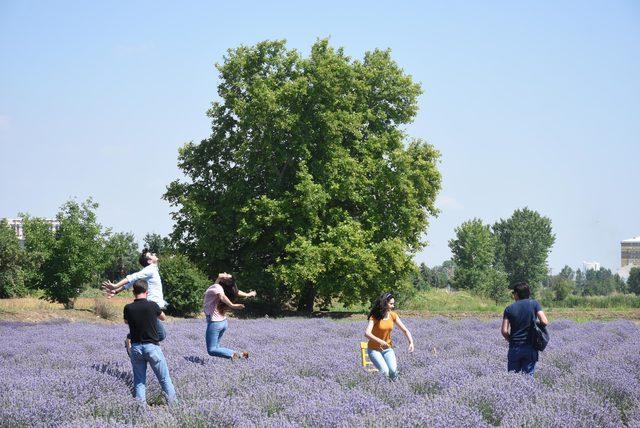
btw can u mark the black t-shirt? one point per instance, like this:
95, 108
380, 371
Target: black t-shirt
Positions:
142, 317
520, 315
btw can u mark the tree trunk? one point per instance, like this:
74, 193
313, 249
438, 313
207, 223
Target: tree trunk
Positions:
307, 297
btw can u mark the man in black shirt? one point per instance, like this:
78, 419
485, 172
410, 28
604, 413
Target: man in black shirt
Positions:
142, 316
516, 328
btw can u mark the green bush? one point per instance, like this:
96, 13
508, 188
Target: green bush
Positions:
184, 285
610, 301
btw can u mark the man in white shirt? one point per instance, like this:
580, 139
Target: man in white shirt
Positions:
149, 273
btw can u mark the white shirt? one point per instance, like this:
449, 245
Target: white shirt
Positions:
154, 283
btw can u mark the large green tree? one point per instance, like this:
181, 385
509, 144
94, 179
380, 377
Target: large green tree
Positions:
308, 180
474, 254
11, 259
524, 241
76, 258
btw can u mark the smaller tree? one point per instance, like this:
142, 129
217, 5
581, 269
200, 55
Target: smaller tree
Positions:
76, 257
184, 285
567, 273
419, 279
474, 255
525, 240
39, 242
497, 286
157, 244
580, 282
633, 283
562, 288
11, 257
120, 256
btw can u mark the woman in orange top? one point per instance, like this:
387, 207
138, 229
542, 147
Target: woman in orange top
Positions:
380, 347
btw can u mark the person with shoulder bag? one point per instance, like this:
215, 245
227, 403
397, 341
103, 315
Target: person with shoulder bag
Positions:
520, 324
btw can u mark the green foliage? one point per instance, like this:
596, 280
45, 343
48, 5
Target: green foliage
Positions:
562, 288
611, 301
157, 244
120, 256
184, 285
440, 276
76, 255
39, 241
601, 282
419, 280
633, 283
308, 181
442, 301
525, 240
11, 257
497, 286
474, 254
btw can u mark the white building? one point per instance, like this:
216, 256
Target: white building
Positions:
17, 226
629, 256
590, 266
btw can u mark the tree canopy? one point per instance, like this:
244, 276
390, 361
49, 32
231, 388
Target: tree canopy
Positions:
524, 242
308, 180
76, 258
11, 260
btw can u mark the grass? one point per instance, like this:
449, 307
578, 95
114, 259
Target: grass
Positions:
462, 304
90, 306
93, 306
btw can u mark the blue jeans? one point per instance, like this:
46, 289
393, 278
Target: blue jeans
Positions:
385, 362
215, 330
141, 354
522, 358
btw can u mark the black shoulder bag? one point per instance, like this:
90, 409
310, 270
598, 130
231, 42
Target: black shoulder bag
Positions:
539, 334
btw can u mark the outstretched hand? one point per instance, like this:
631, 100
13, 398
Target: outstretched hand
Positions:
108, 288
252, 293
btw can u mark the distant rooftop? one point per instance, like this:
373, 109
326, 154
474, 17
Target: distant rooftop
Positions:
636, 239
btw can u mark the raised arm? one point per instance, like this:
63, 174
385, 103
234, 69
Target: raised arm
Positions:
369, 335
251, 293
406, 332
112, 289
228, 302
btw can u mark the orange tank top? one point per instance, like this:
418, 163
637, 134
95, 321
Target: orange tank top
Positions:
382, 329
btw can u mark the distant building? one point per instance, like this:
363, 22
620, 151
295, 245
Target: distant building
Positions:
629, 256
630, 252
17, 226
591, 266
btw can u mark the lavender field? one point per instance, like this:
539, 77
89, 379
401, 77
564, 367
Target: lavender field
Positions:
307, 373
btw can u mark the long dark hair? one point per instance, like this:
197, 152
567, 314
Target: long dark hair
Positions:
379, 309
230, 290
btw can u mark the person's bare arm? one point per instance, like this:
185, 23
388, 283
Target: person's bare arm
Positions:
369, 335
228, 302
406, 332
505, 329
251, 293
542, 318
162, 316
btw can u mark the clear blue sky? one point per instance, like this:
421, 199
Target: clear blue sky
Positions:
531, 104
